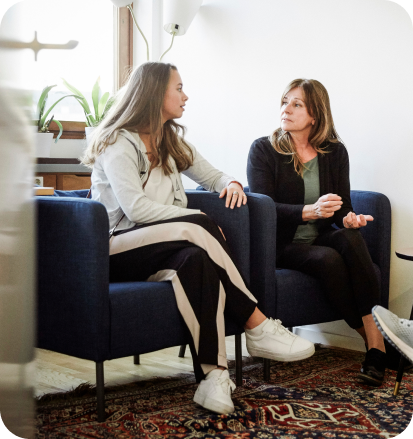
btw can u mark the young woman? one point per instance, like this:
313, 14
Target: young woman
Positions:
137, 154
304, 168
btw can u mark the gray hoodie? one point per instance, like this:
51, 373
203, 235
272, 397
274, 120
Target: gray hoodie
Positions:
120, 172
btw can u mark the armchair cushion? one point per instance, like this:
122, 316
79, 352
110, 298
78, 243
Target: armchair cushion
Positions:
81, 193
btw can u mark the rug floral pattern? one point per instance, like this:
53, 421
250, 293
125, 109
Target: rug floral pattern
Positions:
316, 398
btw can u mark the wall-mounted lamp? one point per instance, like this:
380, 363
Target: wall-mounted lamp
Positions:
178, 15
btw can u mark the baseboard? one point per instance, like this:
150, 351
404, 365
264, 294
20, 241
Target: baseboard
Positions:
340, 341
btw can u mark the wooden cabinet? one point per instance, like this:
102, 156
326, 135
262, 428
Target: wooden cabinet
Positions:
65, 182
63, 174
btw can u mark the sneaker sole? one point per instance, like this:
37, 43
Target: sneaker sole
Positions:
395, 341
213, 405
302, 355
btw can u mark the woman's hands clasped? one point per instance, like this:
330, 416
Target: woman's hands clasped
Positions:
235, 195
325, 207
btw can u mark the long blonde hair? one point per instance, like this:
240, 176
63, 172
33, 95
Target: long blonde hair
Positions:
138, 107
322, 132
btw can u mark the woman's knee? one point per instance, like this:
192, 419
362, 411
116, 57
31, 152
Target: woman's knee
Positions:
351, 238
196, 253
330, 261
206, 221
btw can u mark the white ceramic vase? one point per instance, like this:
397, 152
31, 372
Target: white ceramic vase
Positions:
88, 131
43, 144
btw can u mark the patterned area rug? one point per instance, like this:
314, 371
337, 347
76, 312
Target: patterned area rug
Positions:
315, 398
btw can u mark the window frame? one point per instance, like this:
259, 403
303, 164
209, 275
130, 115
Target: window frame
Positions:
123, 61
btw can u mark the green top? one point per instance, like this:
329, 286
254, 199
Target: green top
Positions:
308, 233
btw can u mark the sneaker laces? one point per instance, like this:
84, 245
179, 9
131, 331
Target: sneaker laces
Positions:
226, 384
277, 326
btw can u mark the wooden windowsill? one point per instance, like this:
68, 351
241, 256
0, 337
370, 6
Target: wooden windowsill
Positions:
71, 130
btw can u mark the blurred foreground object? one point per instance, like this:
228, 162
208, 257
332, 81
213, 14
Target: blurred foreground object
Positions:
16, 268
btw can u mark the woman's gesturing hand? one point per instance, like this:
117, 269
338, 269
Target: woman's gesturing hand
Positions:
353, 221
324, 207
235, 195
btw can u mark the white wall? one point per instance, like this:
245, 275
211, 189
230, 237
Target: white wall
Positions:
238, 56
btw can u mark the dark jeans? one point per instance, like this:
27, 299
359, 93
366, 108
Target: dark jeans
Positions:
339, 259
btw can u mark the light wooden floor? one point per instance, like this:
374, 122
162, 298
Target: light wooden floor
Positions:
58, 373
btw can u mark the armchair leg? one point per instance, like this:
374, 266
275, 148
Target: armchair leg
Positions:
399, 377
267, 364
136, 359
182, 350
100, 391
238, 360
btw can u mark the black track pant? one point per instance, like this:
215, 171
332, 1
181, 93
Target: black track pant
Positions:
342, 263
191, 253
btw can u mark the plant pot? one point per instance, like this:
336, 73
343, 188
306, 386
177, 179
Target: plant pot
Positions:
43, 144
88, 131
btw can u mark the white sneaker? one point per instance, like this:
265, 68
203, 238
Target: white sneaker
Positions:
278, 343
214, 392
397, 331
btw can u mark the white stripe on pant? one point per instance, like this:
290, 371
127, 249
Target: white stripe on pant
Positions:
191, 253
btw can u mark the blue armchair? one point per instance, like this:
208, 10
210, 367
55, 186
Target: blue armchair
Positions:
81, 314
298, 298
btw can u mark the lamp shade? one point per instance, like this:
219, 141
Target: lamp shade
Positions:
178, 15
121, 3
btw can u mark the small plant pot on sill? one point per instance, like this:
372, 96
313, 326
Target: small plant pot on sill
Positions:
89, 132
43, 144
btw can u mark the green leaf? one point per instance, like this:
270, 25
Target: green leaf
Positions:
90, 120
84, 104
42, 100
72, 89
96, 96
51, 108
82, 101
60, 130
47, 124
102, 105
110, 102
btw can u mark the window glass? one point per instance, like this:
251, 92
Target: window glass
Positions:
90, 22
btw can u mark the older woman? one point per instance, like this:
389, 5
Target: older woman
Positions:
304, 167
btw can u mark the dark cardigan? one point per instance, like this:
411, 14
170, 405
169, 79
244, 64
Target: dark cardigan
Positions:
271, 173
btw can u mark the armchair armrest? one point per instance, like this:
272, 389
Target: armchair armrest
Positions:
73, 277
233, 222
377, 233
263, 232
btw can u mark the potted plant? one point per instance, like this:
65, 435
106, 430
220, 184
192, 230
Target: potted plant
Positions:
101, 104
44, 138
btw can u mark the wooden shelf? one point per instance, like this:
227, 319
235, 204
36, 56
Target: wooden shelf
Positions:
57, 161
64, 174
